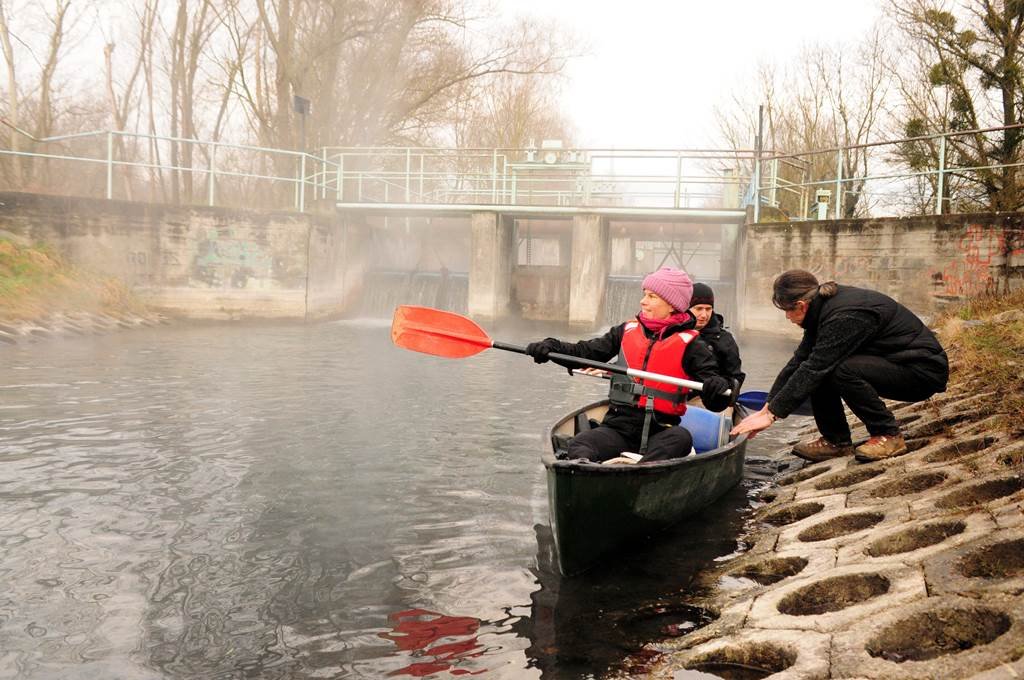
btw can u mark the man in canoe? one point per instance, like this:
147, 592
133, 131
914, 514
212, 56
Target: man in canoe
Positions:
712, 331
663, 339
859, 346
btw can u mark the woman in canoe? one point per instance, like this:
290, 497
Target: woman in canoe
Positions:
663, 339
859, 346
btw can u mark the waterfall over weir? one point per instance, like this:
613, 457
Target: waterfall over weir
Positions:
385, 290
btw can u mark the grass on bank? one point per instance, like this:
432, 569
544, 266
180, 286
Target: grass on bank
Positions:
36, 281
984, 338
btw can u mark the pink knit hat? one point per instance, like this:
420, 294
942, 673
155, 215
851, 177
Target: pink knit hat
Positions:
673, 285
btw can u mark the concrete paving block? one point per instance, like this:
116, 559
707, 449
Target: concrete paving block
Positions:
937, 637
903, 485
991, 562
777, 494
792, 654
747, 577
851, 478
1009, 516
836, 599
782, 515
841, 526
798, 479
944, 451
1012, 670
989, 491
931, 536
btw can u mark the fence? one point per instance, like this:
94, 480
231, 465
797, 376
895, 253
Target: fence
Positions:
131, 166
913, 176
929, 174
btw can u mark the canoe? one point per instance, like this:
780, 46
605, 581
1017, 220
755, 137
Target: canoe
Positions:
597, 508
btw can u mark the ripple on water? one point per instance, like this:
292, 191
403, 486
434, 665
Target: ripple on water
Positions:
262, 500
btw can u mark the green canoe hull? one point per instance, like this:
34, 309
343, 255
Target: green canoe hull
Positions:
595, 509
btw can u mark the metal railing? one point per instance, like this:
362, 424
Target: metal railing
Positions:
133, 166
941, 185
639, 178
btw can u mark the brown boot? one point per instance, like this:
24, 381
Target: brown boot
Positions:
881, 447
821, 449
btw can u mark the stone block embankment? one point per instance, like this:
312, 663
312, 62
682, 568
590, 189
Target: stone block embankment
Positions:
71, 324
912, 567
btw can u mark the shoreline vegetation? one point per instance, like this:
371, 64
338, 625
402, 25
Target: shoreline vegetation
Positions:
984, 338
41, 294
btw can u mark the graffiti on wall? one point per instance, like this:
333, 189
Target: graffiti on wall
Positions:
980, 252
228, 261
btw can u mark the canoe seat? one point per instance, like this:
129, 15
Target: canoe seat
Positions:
708, 429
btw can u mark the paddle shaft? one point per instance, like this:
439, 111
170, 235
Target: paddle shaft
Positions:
611, 368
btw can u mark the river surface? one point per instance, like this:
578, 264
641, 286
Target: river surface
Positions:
307, 501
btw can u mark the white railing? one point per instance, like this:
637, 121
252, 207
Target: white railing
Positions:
131, 166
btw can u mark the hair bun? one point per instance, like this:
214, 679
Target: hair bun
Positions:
828, 289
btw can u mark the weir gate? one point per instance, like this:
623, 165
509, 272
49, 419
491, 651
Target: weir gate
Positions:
546, 234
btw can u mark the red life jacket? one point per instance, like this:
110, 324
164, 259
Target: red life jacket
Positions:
664, 356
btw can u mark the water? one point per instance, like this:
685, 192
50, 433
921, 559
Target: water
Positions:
289, 501
385, 290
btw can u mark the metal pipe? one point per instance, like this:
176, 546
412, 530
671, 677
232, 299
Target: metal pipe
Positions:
940, 188
110, 166
839, 185
302, 183
757, 163
213, 171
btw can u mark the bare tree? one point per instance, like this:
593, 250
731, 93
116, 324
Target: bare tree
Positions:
971, 54
126, 103
828, 98
13, 96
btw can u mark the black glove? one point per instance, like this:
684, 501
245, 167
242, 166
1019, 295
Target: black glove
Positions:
712, 396
540, 350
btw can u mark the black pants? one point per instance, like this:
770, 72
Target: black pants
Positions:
604, 443
862, 382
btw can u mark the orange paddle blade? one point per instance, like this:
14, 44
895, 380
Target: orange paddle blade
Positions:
437, 332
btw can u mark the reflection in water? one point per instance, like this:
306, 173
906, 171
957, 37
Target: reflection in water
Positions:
277, 501
416, 630
598, 622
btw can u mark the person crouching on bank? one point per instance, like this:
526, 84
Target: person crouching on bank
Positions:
859, 346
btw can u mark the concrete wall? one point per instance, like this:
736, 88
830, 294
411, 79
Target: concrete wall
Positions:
337, 264
492, 255
923, 262
542, 292
591, 259
200, 262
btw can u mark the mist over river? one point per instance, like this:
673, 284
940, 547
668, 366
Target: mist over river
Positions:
308, 501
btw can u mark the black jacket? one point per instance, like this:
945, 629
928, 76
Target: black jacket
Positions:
724, 347
856, 321
698, 363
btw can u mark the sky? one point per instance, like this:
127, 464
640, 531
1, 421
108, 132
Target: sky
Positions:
655, 69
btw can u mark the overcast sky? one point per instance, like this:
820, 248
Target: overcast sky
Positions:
657, 68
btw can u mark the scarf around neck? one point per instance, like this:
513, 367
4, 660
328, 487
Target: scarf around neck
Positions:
658, 326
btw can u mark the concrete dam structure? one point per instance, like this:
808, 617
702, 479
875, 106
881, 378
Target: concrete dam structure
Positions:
568, 265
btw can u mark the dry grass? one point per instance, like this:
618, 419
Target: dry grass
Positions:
35, 282
989, 354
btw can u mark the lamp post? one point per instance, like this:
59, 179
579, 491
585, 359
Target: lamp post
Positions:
301, 106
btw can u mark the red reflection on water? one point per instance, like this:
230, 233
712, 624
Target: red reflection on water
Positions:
414, 629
